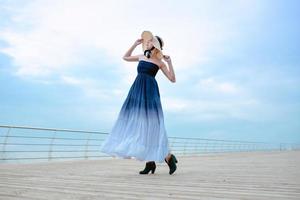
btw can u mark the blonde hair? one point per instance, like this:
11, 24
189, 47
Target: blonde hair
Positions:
157, 54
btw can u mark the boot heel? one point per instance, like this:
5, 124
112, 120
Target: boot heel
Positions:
150, 166
153, 170
175, 159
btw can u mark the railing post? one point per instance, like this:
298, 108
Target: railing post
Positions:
205, 147
170, 144
51, 146
4, 144
214, 147
184, 148
87, 146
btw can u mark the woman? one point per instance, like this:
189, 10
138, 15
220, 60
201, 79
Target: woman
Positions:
139, 131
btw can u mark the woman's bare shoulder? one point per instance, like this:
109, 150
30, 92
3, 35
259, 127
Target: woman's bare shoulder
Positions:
141, 56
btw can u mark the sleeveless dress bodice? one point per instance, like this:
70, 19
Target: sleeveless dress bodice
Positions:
145, 67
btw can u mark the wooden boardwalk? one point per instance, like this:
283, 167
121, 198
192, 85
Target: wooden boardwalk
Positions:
244, 175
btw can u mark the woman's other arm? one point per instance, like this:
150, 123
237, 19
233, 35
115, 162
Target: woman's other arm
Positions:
168, 70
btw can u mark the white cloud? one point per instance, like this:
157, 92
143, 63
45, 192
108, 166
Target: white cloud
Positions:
50, 38
91, 88
198, 109
71, 80
175, 105
216, 86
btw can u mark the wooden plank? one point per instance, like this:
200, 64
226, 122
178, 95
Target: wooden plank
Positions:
243, 175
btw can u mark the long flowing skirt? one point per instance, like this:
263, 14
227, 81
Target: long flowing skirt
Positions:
139, 131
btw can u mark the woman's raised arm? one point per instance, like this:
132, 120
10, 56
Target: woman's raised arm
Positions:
128, 56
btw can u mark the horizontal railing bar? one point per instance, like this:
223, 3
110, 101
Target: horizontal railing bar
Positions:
214, 142
206, 139
211, 150
51, 157
187, 146
198, 149
98, 132
61, 138
181, 149
214, 145
65, 147
51, 129
51, 151
49, 144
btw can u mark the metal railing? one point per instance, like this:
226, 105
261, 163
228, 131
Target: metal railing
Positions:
22, 143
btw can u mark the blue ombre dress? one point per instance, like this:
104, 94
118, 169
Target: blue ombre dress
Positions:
139, 131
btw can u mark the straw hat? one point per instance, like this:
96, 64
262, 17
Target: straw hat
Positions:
156, 40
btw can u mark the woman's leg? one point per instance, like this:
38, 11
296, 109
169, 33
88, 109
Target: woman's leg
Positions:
168, 157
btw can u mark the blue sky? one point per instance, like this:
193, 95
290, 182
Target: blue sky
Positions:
236, 64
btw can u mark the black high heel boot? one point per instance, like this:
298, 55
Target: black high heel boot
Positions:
172, 164
150, 166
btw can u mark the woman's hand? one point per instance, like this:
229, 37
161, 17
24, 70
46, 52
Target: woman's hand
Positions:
138, 42
167, 58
